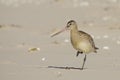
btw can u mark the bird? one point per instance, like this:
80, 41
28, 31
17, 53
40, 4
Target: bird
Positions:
80, 40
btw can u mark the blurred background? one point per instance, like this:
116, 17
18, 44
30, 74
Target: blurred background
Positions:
26, 47
98, 13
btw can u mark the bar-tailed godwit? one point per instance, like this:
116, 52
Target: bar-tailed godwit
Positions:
81, 41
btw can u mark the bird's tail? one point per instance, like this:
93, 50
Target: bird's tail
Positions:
96, 48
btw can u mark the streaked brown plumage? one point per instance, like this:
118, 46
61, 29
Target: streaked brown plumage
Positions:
80, 40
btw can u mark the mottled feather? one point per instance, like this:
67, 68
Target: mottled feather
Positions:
88, 37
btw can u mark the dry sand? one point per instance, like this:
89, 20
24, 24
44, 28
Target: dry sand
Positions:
26, 48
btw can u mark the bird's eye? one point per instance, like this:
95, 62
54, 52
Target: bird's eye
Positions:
70, 24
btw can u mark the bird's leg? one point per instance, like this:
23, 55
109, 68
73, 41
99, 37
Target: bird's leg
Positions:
78, 52
84, 62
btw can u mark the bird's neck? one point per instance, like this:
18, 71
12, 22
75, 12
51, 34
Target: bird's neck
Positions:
74, 29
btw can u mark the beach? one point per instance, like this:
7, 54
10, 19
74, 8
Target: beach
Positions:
27, 48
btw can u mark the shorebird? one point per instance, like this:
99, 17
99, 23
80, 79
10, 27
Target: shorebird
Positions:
81, 41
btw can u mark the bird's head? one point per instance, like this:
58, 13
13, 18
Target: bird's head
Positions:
71, 24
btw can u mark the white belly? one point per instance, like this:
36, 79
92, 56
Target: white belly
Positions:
85, 47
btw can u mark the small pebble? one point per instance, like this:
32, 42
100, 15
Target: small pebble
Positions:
43, 59
33, 49
118, 41
105, 36
106, 48
90, 24
105, 18
59, 74
66, 40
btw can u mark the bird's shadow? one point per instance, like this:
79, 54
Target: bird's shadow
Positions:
67, 68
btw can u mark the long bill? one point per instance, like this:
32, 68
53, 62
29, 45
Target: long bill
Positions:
59, 32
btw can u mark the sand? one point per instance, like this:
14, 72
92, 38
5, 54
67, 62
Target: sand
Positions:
26, 48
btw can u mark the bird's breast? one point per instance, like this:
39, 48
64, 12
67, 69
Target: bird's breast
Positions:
81, 44
84, 47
